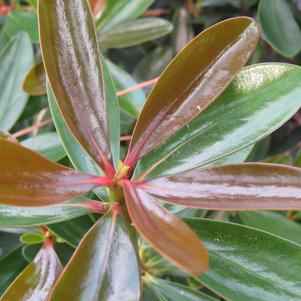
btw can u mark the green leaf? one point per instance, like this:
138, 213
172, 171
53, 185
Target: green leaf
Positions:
279, 27
99, 264
37, 280
167, 233
32, 238
131, 103
272, 222
265, 95
12, 216
192, 81
118, 12
76, 154
10, 267
172, 291
8, 242
15, 61
20, 21
35, 81
47, 144
135, 32
246, 263
76, 73
33, 180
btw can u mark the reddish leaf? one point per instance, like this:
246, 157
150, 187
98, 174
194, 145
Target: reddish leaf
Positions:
248, 186
72, 63
37, 280
192, 81
165, 232
97, 6
28, 179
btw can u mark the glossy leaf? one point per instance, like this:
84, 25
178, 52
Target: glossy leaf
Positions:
15, 61
9, 241
103, 268
28, 179
165, 232
172, 291
32, 238
76, 73
37, 280
35, 81
12, 216
131, 103
192, 81
118, 12
97, 7
248, 186
279, 27
272, 222
10, 267
265, 95
47, 144
135, 32
245, 262
76, 154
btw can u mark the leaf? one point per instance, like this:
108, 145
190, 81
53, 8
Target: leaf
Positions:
10, 267
97, 270
272, 222
192, 81
131, 103
37, 280
32, 238
8, 242
20, 21
172, 291
28, 179
279, 27
97, 7
118, 12
165, 232
46, 144
76, 73
265, 94
35, 81
246, 263
248, 186
15, 61
135, 32
76, 154
12, 216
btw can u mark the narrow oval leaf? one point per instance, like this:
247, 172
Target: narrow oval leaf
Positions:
265, 95
10, 267
246, 186
35, 81
103, 268
12, 216
28, 179
97, 7
135, 32
192, 81
165, 232
172, 291
118, 12
246, 263
37, 280
15, 61
78, 79
279, 27
32, 238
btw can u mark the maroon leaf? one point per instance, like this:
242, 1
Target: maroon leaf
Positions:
247, 186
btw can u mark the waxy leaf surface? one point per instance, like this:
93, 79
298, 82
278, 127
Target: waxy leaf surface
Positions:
35, 81
245, 262
15, 61
168, 234
78, 79
192, 81
97, 6
37, 280
247, 186
28, 179
265, 95
103, 268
